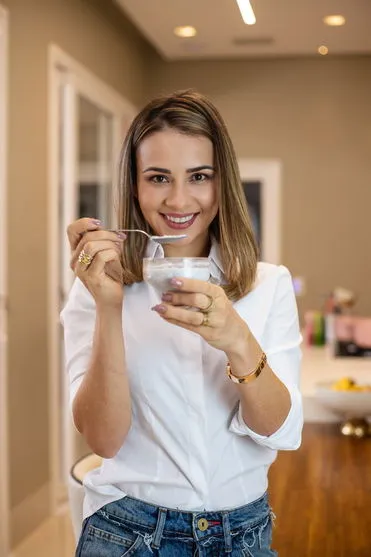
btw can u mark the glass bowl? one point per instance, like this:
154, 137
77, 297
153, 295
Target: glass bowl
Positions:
159, 271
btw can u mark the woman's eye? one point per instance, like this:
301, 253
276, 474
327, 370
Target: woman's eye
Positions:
159, 179
200, 177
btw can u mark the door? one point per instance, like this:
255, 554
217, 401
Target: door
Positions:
86, 163
253, 195
85, 191
4, 495
87, 127
261, 180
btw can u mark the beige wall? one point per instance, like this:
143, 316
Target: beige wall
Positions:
315, 115
114, 51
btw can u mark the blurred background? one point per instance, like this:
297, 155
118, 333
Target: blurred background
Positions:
294, 87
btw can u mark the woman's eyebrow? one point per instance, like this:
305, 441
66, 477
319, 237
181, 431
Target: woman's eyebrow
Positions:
167, 171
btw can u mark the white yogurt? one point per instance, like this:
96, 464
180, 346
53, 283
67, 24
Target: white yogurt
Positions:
162, 271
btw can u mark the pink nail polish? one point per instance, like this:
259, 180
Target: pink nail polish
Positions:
176, 282
159, 309
167, 297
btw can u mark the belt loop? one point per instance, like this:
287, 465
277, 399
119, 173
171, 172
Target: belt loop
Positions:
159, 528
227, 533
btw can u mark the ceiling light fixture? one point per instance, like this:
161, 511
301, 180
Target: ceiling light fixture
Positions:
247, 12
323, 50
185, 31
334, 20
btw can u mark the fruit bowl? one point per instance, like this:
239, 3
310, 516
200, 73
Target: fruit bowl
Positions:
345, 397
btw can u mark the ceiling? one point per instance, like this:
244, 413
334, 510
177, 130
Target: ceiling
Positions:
283, 28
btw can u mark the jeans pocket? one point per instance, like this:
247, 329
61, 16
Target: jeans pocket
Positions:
257, 539
101, 542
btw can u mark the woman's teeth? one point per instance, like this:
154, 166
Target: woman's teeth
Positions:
180, 220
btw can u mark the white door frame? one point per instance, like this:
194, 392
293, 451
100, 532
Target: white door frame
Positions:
269, 173
62, 68
4, 452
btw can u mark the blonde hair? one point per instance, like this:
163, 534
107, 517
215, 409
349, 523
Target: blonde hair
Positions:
193, 114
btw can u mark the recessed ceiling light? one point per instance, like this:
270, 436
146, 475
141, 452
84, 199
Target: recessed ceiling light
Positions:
247, 12
334, 20
323, 50
185, 31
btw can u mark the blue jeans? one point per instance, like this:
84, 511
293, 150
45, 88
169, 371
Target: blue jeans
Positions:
132, 528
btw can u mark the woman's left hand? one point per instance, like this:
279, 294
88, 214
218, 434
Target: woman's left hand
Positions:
216, 320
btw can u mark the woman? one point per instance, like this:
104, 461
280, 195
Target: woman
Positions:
186, 446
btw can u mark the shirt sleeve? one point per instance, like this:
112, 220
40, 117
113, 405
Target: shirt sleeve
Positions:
78, 320
281, 342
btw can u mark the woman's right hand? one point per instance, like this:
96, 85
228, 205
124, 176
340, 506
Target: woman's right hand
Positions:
103, 276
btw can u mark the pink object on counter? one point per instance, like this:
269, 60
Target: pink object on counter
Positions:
344, 327
362, 332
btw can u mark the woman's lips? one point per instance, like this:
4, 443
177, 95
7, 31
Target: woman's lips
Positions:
178, 221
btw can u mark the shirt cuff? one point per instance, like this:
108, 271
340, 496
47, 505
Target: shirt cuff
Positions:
287, 437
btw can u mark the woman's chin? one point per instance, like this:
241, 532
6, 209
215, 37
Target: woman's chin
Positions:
184, 242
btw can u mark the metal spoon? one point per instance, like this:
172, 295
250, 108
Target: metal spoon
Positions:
159, 239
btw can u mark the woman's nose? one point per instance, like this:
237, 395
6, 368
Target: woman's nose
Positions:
177, 197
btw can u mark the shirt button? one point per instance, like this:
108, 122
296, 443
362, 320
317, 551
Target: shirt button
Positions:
202, 524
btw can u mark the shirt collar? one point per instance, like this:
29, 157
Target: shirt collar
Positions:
155, 250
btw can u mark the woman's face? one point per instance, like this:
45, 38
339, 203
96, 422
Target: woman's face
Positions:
177, 189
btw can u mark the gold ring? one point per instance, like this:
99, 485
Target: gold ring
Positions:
85, 259
205, 320
210, 306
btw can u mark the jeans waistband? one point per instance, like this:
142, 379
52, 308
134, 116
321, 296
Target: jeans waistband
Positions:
162, 521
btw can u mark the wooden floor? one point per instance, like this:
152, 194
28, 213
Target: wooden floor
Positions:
321, 495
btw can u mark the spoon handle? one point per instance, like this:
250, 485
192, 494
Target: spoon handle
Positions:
130, 230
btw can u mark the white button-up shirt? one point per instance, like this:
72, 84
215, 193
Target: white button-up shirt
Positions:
188, 446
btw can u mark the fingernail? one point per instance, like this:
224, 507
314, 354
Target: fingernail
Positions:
176, 282
159, 309
122, 235
97, 222
166, 297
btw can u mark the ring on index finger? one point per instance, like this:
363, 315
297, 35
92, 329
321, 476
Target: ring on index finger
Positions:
85, 259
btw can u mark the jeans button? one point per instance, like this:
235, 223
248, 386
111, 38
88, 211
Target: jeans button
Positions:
202, 524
